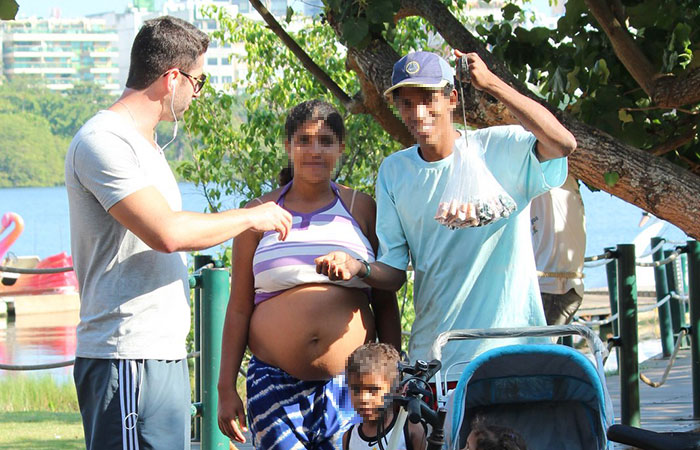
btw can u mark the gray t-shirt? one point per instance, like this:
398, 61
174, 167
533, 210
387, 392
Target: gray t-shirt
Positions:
134, 301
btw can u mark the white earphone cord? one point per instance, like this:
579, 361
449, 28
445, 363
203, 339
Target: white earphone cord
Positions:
172, 110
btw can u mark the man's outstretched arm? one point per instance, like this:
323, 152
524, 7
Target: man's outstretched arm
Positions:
146, 214
341, 266
553, 139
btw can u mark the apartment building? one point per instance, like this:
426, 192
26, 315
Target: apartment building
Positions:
62, 52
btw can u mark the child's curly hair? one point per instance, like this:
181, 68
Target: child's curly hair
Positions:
494, 437
374, 357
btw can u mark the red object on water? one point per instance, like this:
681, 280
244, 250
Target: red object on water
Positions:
52, 283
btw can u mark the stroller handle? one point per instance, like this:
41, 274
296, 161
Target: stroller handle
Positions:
594, 343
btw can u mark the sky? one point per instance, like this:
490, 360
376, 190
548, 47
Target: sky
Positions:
79, 8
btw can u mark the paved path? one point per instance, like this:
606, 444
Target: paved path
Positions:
669, 407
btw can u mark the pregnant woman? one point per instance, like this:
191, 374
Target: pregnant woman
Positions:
299, 325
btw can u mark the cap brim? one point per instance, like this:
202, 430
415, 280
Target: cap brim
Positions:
417, 83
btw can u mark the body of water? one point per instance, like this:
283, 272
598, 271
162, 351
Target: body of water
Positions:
42, 339
609, 221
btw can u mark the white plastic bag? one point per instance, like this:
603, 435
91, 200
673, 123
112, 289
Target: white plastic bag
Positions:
472, 196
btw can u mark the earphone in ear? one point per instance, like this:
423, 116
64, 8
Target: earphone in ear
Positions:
172, 84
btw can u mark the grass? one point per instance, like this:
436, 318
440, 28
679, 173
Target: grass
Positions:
38, 430
28, 393
38, 413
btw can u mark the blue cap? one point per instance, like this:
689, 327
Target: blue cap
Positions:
421, 69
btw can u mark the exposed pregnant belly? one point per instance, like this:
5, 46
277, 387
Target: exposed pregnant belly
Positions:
309, 331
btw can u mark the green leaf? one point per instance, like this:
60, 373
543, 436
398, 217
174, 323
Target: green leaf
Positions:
681, 34
290, 13
624, 116
8, 9
611, 178
572, 80
600, 68
380, 11
509, 11
355, 30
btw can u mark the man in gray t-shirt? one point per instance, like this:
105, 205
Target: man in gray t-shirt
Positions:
127, 232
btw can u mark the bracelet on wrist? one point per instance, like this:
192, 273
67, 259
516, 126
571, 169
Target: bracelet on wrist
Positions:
368, 269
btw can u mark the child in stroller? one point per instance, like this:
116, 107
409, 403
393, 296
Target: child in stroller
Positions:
487, 436
551, 395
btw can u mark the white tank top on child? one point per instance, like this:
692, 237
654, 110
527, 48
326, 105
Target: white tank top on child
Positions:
358, 441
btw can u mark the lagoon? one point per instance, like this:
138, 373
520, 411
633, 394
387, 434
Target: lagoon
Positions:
609, 221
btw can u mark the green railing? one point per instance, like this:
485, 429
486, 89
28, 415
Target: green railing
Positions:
210, 282
622, 287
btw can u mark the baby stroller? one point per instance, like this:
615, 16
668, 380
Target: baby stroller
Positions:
552, 395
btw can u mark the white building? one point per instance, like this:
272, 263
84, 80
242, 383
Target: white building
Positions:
62, 52
218, 64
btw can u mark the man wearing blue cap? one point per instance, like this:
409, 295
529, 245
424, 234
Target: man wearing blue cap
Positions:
478, 277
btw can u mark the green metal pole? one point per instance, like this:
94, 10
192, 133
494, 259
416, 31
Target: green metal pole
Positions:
693, 251
611, 273
199, 261
215, 292
677, 308
662, 291
684, 271
629, 362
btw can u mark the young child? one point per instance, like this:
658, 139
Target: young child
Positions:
486, 436
372, 374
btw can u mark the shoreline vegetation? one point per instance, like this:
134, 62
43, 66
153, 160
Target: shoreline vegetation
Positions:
38, 125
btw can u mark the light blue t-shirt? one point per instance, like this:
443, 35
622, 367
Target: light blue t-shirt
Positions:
481, 277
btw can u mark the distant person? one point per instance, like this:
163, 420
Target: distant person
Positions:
559, 242
127, 230
372, 374
299, 325
488, 436
478, 277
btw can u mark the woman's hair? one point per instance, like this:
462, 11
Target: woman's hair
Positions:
494, 437
303, 112
162, 44
374, 357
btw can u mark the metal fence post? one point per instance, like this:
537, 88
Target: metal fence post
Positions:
611, 275
677, 307
629, 362
684, 271
215, 292
662, 291
199, 261
693, 250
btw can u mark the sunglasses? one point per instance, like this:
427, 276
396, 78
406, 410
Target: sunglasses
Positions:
197, 82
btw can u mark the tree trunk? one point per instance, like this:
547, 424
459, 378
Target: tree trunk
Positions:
654, 184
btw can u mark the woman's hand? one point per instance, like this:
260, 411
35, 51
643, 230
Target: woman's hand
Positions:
338, 266
231, 409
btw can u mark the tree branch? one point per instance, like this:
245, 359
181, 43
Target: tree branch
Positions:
625, 48
670, 146
368, 71
305, 59
664, 89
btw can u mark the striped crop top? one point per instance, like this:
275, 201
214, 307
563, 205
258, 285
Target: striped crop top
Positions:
281, 265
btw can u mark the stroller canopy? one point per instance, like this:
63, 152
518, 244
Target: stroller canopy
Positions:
552, 395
